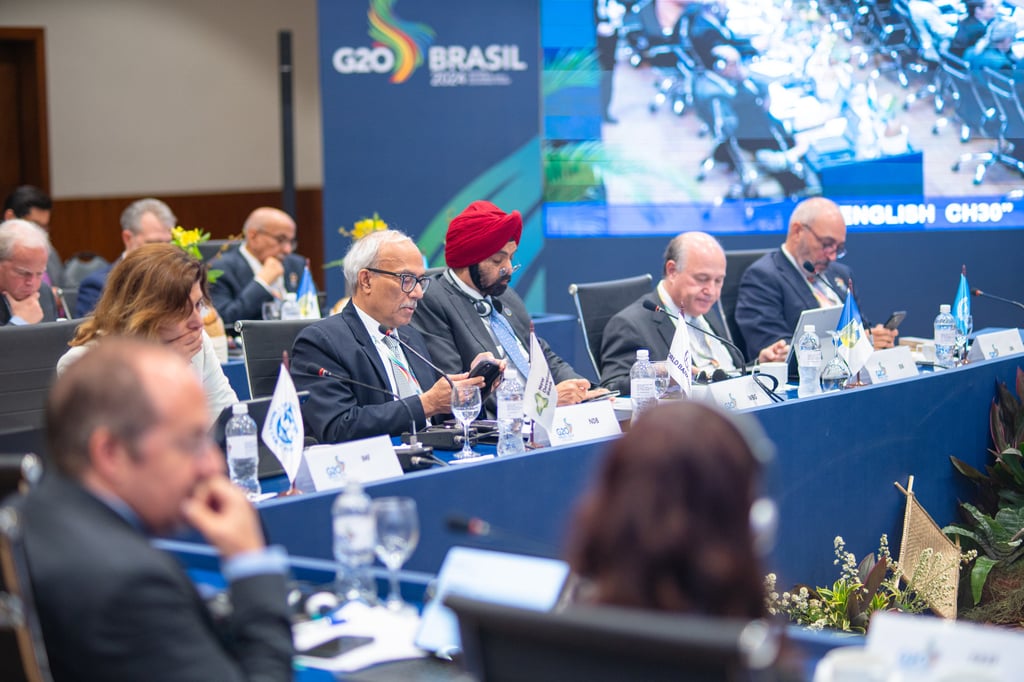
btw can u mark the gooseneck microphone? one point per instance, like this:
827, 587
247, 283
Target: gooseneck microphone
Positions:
809, 267
478, 528
718, 374
391, 333
417, 453
979, 292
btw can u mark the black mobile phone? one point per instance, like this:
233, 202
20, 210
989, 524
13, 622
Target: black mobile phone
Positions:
489, 371
894, 320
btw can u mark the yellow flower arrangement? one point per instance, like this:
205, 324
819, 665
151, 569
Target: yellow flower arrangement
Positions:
189, 241
360, 229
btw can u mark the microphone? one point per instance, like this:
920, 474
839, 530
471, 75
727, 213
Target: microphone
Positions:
979, 292
390, 333
476, 527
417, 454
654, 307
809, 267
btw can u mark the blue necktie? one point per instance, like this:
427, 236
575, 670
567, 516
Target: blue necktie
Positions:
507, 339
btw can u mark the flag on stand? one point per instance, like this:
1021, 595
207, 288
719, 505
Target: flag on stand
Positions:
962, 305
309, 305
854, 344
680, 359
540, 396
283, 430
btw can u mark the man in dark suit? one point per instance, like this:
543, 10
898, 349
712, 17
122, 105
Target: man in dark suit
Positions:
24, 298
261, 270
132, 458
972, 27
470, 308
146, 221
777, 287
690, 288
384, 273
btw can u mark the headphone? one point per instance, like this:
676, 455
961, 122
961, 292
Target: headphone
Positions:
482, 306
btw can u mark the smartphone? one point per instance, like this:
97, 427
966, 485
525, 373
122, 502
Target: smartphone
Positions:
490, 371
894, 320
604, 396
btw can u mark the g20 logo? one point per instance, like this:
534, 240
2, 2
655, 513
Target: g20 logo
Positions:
376, 59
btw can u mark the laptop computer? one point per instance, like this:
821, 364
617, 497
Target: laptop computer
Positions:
824, 321
527, 582
269, 465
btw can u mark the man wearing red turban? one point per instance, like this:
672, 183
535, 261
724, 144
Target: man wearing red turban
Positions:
471, 309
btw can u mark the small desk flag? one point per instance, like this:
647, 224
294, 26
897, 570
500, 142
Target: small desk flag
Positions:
309, 305
540, 396
962, 305
283, 429
853, 340
680, 360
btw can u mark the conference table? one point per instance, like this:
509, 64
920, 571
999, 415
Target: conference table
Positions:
838, 456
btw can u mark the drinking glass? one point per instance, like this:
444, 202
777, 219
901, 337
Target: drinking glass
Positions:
662, 378
835, 375
465, 407
398, 533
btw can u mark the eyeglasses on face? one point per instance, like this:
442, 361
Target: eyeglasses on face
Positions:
407, 279
827, 244
282, 239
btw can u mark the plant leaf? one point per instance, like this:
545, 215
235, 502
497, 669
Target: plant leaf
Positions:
979, 574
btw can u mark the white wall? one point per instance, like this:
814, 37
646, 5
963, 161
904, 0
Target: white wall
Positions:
173, 96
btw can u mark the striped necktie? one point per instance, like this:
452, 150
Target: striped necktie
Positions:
405, 383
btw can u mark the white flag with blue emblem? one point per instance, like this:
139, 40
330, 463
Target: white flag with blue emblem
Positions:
680, 360
540, 396
283, 431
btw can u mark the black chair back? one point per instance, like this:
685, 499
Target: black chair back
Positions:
736, 263
598, 302
28, 361
972, 107
22, 653
598, 644
18, 473
263, 342
212, 248
1006, 95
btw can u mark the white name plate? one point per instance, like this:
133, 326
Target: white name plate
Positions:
369, 459
583, 422
891, 363
738, 394
995, 345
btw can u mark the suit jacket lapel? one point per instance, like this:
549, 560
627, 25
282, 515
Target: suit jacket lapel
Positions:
796, 281
467, 313
366, 345
665, 327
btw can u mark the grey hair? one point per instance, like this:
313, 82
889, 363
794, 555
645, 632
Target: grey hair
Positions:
24, 233
364, 252
678, 248
131, 217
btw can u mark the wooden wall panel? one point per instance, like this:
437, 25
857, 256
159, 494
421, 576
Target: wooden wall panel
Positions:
92, 224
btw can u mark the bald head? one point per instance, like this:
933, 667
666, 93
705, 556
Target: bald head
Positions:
269, 232
694, 272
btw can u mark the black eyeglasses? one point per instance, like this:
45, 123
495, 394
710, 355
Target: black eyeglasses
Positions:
282, 239
827, 244
408, 280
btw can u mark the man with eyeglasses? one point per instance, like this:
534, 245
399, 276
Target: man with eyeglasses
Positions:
802, 274
130, 460
261, 270
23, 252
470, 308
354, 364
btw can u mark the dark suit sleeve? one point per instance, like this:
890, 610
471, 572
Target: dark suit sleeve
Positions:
618, 353
153, 619
89, 292
759, 309
236, 294
48, 303
335, 411
432, 321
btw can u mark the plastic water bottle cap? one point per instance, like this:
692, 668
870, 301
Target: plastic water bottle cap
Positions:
808, 327
642, 354
944, 308
239, 408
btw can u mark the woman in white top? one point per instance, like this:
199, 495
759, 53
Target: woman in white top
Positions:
158, 292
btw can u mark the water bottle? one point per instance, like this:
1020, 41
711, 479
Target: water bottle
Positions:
510, 414
808, 357
642, 390
945, 337
290, 309
354, 538
243, 450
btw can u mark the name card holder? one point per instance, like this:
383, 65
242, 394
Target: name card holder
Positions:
737, 394
995, 345
583, 422
329, 467
891, 363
